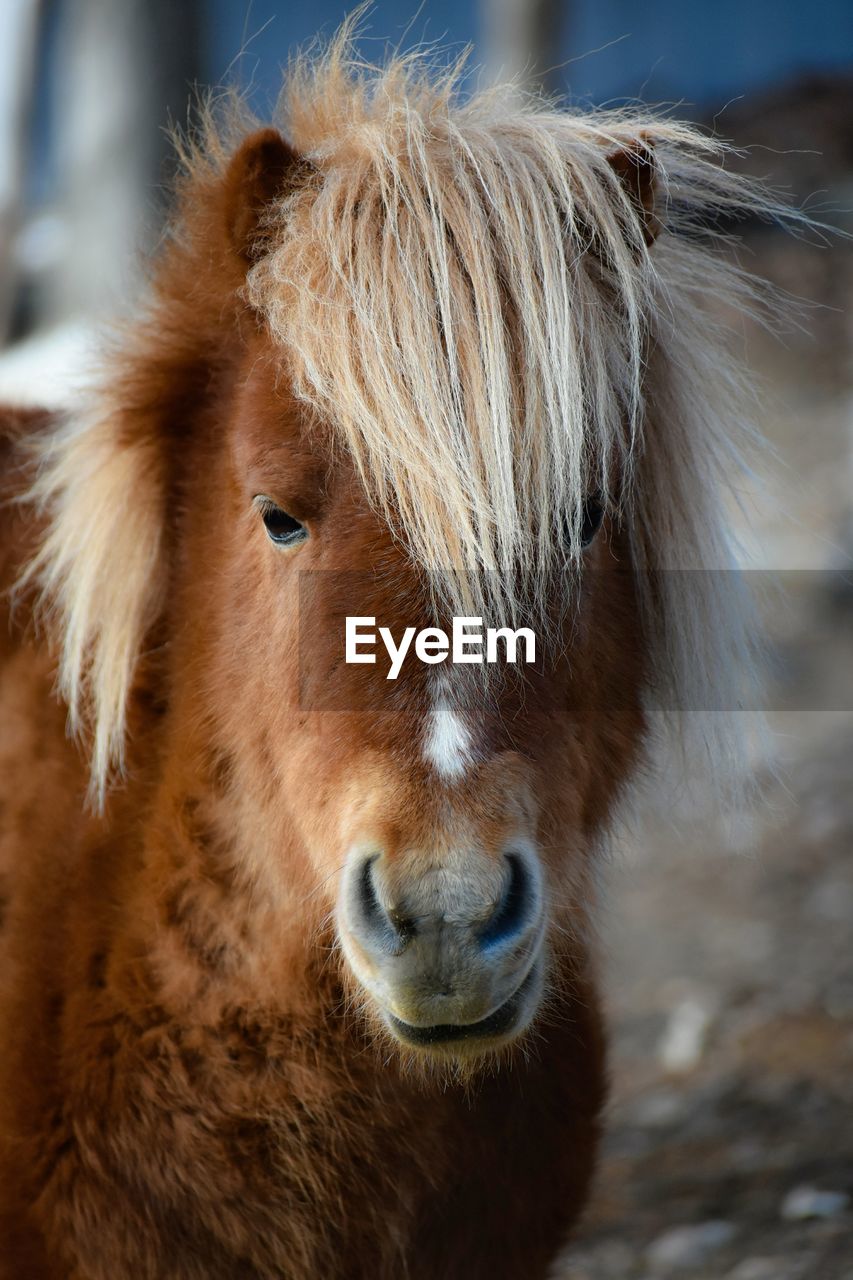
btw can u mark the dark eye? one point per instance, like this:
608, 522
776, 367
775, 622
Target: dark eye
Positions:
593, 514
591, 518
282, 528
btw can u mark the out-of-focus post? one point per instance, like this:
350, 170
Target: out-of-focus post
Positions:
123, 64
521, 39
19, 25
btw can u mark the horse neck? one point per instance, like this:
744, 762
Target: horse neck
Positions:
220, 920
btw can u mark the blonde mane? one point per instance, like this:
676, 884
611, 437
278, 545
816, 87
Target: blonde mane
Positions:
463, 289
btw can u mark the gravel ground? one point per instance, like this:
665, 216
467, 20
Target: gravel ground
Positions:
730, 1145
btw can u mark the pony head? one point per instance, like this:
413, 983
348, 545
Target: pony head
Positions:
426, 358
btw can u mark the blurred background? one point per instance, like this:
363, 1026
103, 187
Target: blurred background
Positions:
727, 939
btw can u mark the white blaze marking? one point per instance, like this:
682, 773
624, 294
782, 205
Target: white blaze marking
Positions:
448, 745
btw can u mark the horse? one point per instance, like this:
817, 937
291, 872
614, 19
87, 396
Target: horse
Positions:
300, 962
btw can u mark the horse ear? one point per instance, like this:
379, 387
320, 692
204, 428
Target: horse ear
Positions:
635, 167
260, 170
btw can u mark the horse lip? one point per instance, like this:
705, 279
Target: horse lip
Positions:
498, 1023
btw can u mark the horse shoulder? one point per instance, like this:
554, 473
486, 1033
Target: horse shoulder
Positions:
38, 766
41, 788
40, 769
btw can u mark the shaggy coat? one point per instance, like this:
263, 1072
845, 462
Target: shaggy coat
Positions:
448, 339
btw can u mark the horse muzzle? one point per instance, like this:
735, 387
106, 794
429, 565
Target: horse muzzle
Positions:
450, 952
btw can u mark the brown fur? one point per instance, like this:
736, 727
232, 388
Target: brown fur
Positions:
192, 1083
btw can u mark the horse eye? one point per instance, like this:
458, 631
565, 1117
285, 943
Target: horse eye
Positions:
593, 514
591, 518
282, 528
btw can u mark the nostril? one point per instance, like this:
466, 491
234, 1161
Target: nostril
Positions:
513, 911
371, 911
387, 927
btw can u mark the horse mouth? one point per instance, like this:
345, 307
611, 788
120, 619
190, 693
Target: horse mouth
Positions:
501, 1023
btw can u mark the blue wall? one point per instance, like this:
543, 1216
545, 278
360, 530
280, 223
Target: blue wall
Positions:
699, 51
275, 28
705, 52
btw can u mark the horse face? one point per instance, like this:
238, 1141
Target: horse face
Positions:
445, 820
